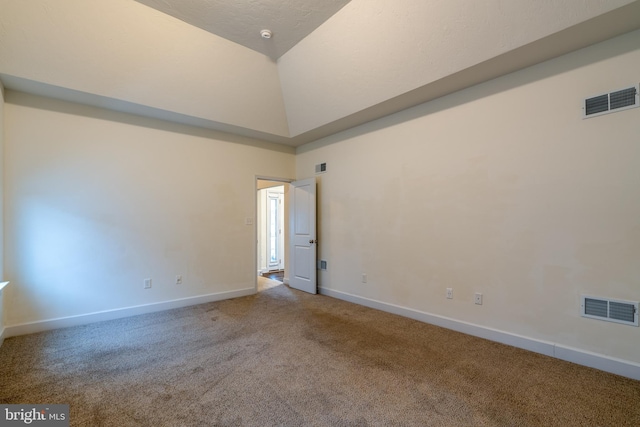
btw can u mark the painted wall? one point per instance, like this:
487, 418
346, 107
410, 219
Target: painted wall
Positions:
97, 201
375, 50
502, 189
2, 97
133, 53
1, 210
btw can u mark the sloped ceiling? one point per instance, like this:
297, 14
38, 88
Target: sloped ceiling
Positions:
370, 59
241, 21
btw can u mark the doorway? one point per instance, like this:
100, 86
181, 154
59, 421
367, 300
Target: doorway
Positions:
271, 233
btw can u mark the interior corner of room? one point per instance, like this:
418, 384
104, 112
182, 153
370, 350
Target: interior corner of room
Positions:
462, 186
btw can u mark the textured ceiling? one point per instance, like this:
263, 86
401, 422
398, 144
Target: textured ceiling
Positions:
126, 56
241, 21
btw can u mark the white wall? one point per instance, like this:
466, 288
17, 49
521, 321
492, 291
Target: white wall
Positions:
375, 50
1, 210
126, 51
502, 189
97, 201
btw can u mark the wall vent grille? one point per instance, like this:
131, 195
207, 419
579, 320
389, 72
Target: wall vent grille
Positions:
321, 168
618, 311
618, 100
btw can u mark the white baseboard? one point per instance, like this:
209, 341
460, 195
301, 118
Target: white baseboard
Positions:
602, 362
613, 365
83, 319
2, 286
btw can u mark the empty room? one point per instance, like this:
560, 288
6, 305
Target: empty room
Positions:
319, 212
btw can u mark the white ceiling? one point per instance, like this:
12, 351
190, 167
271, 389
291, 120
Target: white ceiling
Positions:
241, 21
368, 59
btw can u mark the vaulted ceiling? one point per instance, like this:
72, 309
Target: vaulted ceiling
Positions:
329, 66
289, 21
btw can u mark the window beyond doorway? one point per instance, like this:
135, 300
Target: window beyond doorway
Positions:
270, 224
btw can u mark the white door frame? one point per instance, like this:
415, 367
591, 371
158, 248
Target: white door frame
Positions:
255, 222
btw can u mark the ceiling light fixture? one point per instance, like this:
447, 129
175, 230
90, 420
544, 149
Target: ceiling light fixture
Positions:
265, 34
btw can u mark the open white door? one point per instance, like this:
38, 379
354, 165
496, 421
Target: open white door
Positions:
302, 223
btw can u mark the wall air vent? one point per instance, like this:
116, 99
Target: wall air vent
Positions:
625, 312
611, 102
321, 168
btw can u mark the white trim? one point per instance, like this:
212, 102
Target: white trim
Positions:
83, 319
2, 286
271, 178
602, 362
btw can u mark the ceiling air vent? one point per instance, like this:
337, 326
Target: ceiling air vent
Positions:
611, 102
625, 312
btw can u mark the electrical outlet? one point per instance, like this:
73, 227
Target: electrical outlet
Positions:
478, 298
147, 283
364, 278
449, 293
178, 280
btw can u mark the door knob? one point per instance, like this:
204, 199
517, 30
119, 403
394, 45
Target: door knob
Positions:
313, 241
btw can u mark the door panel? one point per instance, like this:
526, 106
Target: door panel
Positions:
302, 267
303, 235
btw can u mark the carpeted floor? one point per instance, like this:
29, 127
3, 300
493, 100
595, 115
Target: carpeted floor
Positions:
285, 358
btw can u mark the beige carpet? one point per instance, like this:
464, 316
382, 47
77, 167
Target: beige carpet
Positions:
285, 358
